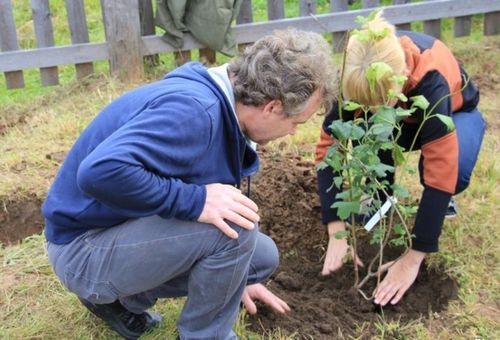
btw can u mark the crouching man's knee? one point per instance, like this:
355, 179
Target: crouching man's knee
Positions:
265, 260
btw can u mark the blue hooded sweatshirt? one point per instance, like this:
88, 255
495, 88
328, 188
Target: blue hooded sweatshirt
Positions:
149, 152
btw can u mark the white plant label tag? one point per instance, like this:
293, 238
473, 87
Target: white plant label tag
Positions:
380, 213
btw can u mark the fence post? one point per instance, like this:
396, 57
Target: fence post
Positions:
8, 42
339, 37
79, 33
244, 17
307, 7
148, 27
370, 3
407, 26
275, 9
44, 37
462, 26
433, 27
492, 23
123, 35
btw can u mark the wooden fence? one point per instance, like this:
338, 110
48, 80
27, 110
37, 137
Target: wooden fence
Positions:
130, 32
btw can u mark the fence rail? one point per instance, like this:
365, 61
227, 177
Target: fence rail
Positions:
130, 32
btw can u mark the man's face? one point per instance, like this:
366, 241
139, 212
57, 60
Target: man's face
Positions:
273, 123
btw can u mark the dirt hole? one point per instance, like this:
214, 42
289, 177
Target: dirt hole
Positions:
323, 308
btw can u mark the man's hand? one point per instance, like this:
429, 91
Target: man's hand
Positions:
399, 278
225, 202
337, 249
260, 292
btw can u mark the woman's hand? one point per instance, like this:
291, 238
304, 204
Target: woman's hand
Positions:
400, 276
337, 249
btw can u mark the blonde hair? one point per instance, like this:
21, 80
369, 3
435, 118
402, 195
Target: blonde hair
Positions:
362, 53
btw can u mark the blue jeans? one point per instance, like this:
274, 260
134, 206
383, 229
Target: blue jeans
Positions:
145, 259
470, 128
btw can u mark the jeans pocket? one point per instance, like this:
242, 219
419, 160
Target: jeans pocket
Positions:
95, 292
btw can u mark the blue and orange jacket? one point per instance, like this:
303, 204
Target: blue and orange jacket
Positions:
435, 74
149, 152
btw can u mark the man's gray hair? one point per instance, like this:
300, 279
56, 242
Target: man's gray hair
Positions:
288, 65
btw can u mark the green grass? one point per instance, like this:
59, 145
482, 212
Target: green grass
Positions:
46, 121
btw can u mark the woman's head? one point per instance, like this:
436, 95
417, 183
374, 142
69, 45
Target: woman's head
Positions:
362, 53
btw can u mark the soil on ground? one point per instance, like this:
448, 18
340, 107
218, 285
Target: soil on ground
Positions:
322, 307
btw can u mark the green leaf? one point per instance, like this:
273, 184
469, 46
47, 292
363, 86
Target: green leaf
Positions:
399, 229
379, 33
402, 113
380, 169
397, 155
322, 165
384, 115
373, 14
375, 72
344, 209
381, 131
351, 106
400, 191
338, 180
400, 80
361, 35
420, 102
357, 132
346, 130
402, 97
447, 120
341, 234
339, 130
361, 20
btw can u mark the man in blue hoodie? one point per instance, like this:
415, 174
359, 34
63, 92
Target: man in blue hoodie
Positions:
147, 204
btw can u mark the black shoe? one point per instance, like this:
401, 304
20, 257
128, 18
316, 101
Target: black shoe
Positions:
452, 209
127, 324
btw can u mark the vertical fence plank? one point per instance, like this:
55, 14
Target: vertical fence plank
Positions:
79, 33
8, 42
433, 27
407, 26
182, 57
462, 26
123, 36
275, 9
207, 56
307, 7
492, 23
339, 37
370, 3
44, 37
244, 17
146, 17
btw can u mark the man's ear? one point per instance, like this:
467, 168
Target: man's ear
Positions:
274, 106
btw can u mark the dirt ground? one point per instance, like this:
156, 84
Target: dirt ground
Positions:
322, 307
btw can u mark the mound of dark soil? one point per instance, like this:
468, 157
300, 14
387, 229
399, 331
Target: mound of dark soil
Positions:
323, 307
